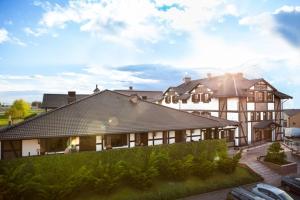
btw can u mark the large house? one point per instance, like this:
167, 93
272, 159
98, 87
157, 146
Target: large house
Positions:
291, 122
108, 120
255, 103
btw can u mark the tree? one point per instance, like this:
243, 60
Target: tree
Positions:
18, 110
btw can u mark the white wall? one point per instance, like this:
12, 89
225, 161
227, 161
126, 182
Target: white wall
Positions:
171, 105
236, 134
250, 106
232, 104
196, 132
30, 147
99, 140
214, 114
171, 134
249, 133
270, 106
188, 134
132, 138
233, 116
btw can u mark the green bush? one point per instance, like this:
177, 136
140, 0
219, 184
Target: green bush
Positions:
275, 154
227, 164
64, 176
203, 167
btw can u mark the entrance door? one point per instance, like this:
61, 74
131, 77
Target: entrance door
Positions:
179, 136
11, 149
87, 143
268, 134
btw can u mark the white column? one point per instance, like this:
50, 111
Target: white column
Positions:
132, 139
99, 143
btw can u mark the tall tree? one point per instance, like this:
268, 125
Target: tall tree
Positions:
18, 110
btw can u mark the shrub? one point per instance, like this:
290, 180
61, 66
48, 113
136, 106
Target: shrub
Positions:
275, 154
203, 167
227, 164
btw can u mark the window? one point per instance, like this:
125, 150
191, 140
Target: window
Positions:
270, 115
196, 98
250, 96
168, 99
265, 117
119, 140
174, 99
252, 116
206, 98
184, 100
144, 97
259, 96
55, 144
270, 97
257, 117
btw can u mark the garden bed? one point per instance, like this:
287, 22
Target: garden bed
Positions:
283, 169
166, 171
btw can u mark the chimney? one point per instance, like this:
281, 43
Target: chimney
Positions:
96, 89
134, 98
130, 87
209, 75
187, 79
71, 96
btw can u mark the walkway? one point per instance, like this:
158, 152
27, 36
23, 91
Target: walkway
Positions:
250, 158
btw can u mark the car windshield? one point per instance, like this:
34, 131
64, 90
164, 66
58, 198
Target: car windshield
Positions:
285, 196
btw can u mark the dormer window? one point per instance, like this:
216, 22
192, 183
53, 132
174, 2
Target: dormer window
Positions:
174, 99
196, 98
168, 99
207, 98
259, 96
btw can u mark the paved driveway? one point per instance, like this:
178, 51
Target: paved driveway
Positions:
249, 157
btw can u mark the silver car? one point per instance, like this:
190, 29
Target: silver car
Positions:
270, 192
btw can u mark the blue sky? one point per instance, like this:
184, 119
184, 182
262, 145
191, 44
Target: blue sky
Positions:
58, 45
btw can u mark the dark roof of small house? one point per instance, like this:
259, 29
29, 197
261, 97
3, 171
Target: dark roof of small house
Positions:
108, 112
265, 124
228, 85
57, 100
291, 112
152, 96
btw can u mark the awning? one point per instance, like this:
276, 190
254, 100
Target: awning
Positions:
266, 124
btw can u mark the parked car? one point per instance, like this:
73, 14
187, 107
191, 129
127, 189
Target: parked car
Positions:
270, 192
240, 193
291, 183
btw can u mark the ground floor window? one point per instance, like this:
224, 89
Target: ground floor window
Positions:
228, 135
119, 140
11, 149
54, 144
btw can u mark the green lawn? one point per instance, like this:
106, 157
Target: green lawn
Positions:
4, 119
179, 189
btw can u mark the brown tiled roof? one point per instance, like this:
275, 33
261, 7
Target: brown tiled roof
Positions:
107, 112
57, 100
265, 124
152, 96
291, 112
228, 85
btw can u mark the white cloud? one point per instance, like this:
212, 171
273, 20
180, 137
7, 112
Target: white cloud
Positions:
128, 21
105, 77
287, 9
6, 37
3, 35
38, 32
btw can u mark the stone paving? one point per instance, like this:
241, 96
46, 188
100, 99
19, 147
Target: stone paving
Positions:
249, 157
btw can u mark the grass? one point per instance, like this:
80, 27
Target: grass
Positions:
4, 119
173, 190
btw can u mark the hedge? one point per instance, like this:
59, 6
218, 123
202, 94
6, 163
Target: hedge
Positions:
62, 176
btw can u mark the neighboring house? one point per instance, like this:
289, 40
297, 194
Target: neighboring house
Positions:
291, 122
53, 101
147, 95
107, 120
255, 103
